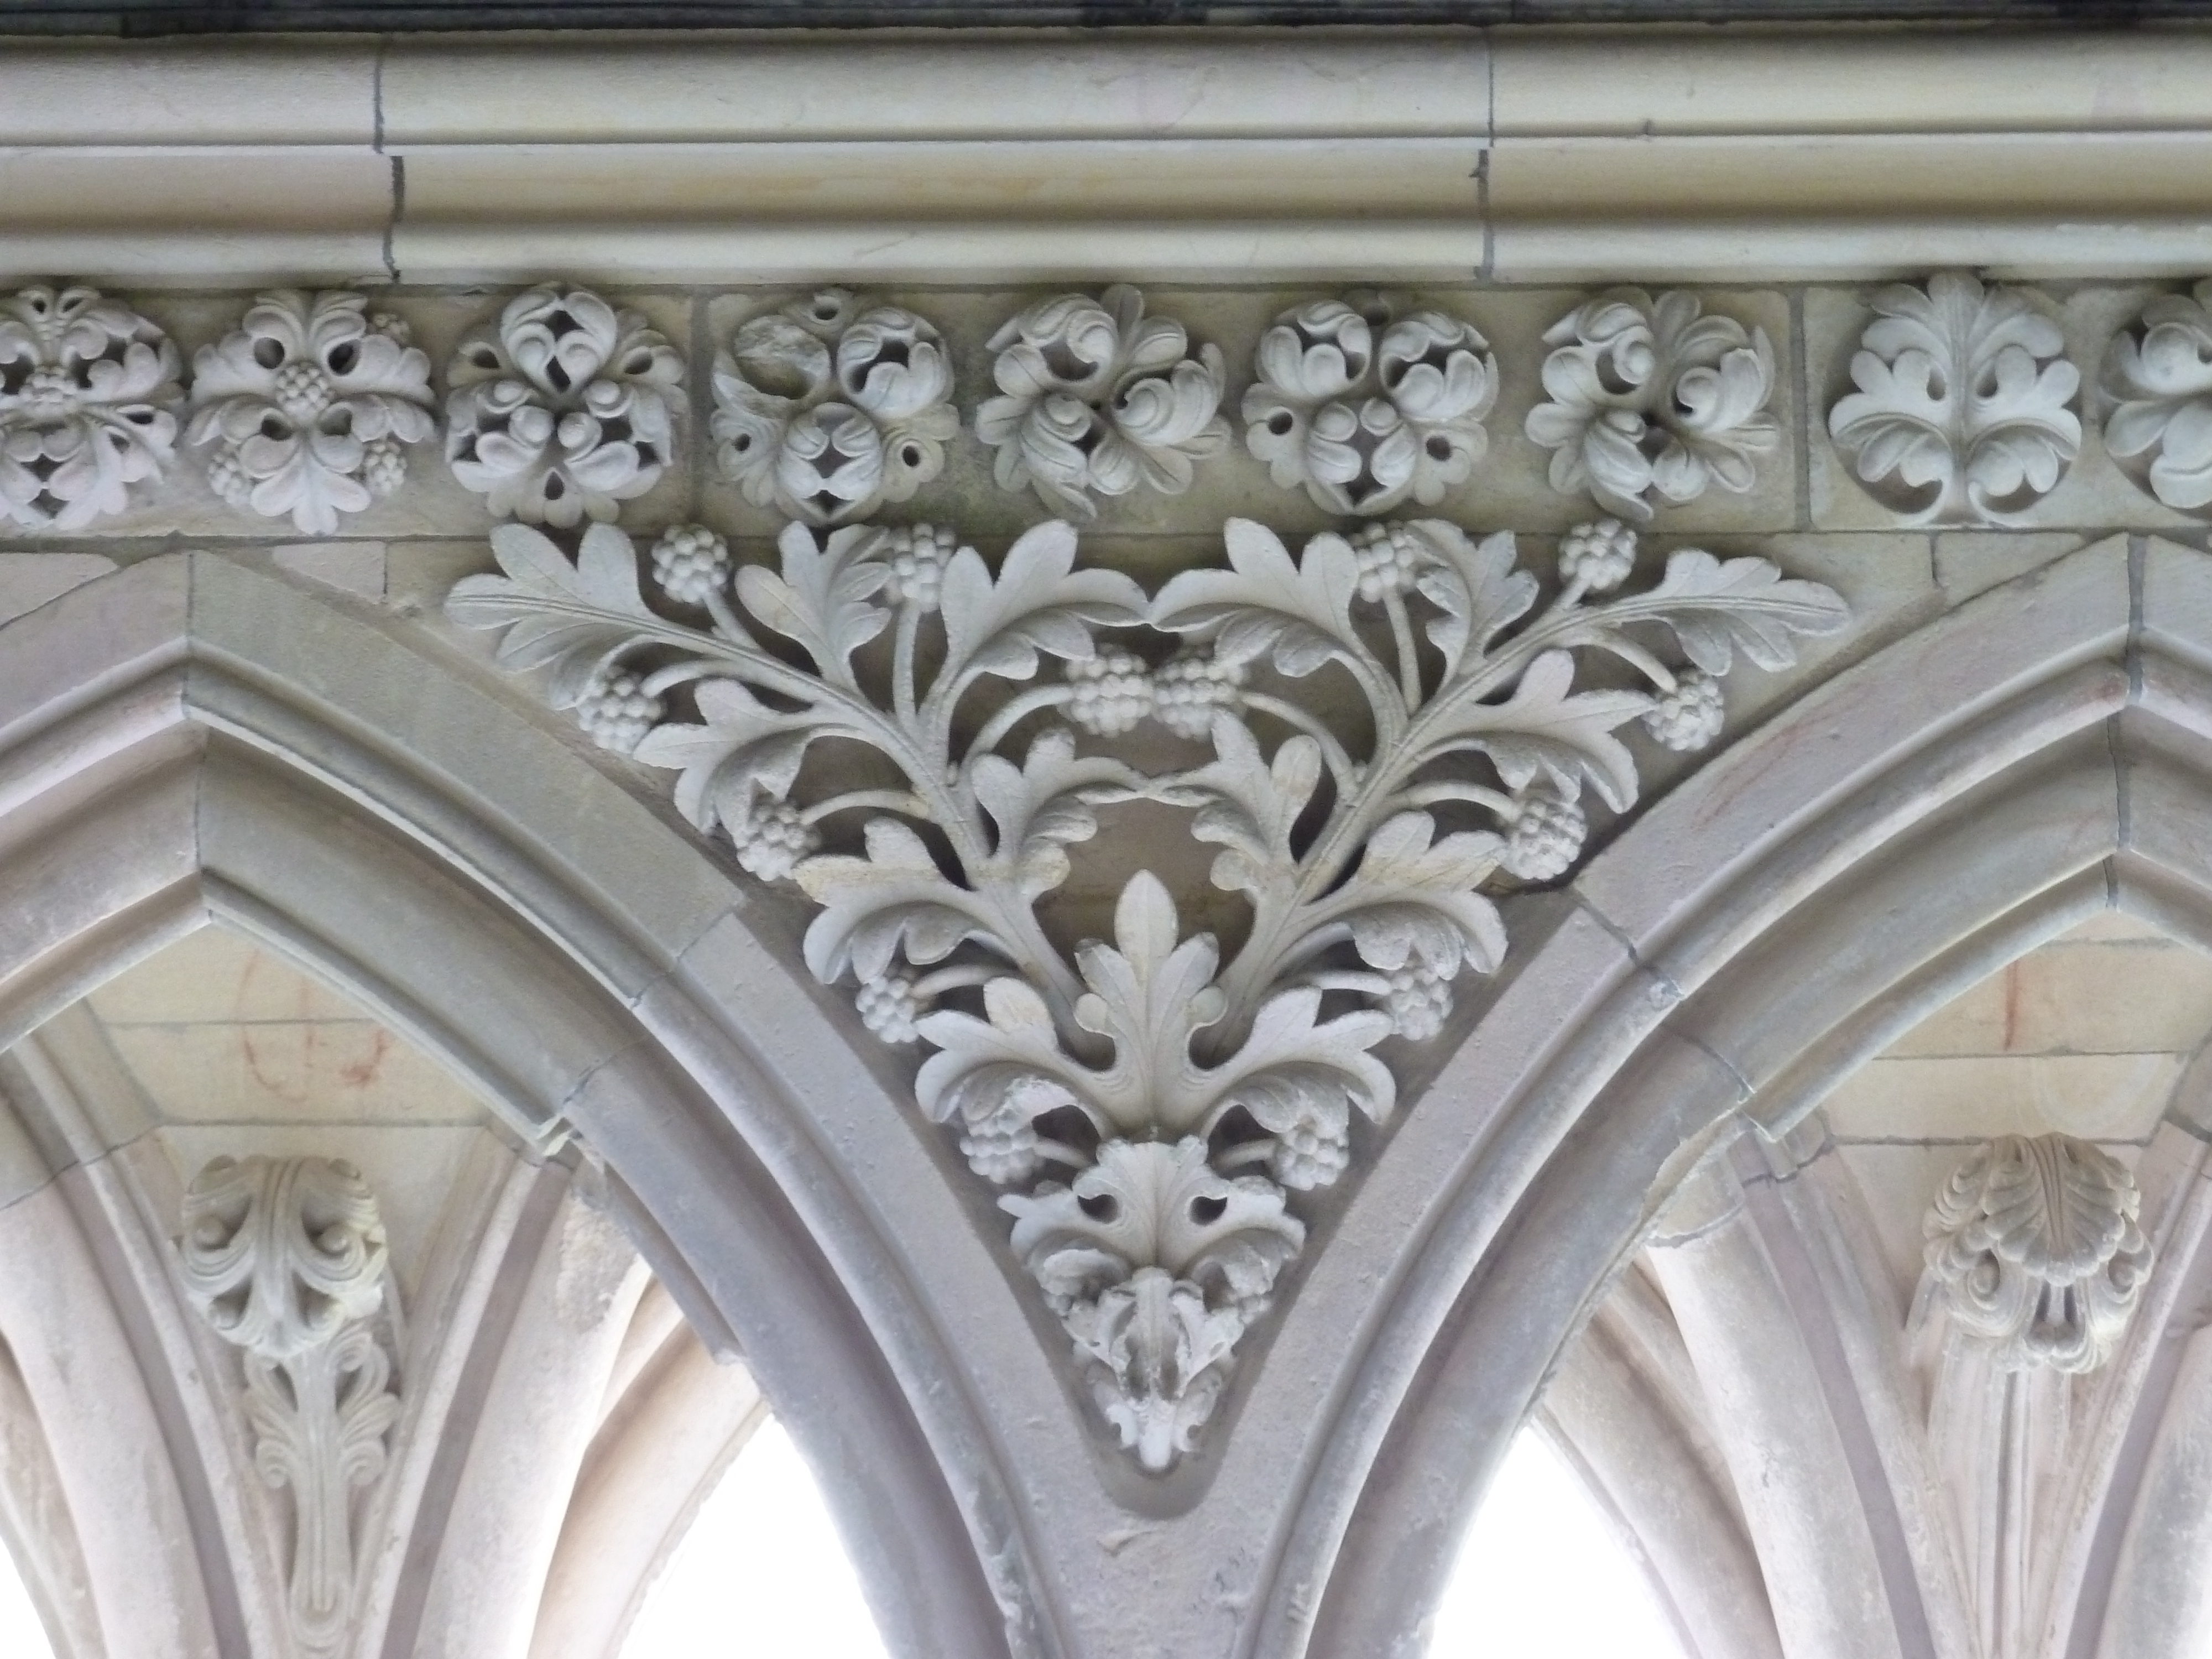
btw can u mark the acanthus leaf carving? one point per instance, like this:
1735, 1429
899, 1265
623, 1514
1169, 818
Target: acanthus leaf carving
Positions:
1366, 408
1651, 399
2160, 386
310, 404
563, 409
1097, 398
826, 413
287, 1260
1962, 412
1368, 878
88, 391
2033, 1249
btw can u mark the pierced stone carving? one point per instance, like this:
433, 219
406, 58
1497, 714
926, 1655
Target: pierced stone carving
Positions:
286, 1259
1651, 398
88, 392
1962, 415
311, 403
564, 408
2035, 1250
1365, 408
1098, 397
2160, 386
1184, 1093
826, 414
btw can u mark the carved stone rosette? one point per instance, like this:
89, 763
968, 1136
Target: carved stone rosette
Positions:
89, 389
1159, 1103
286, 1259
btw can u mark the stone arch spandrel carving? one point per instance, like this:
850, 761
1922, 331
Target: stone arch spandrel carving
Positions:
2068, 701
114, 688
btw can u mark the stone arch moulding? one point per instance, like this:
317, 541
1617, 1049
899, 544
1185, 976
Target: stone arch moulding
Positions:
2043, 753
161, 767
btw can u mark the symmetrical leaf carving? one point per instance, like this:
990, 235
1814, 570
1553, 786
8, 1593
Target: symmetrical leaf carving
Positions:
310, 403
1096, 397
286, 1259
2035, 1251
563, 409
1652, 398
1963, 408
825, 413
1180, 1092
1366, 408
2160, 386
87, 393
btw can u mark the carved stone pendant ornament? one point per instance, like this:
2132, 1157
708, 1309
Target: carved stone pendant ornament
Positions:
285, 1258
1652, 400
1159, 1101
2035, 1250
2160, 386
562, 409
1965, 408
826, 413
310, 404
1366, 408
1099, 398
88, 392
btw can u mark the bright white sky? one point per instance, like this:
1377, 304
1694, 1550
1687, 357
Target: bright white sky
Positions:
1543, 1576
763, 1576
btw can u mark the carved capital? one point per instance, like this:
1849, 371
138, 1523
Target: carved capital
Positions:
2035, 1251
286, 1259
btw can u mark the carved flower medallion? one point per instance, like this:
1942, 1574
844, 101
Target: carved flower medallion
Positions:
1160, 1099
1365, 408
2160, 385
1963, 413
310, 404
88, 391
1652, 400
826, 413
563, 409
1100, 399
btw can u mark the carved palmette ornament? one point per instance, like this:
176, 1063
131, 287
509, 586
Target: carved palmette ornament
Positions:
1159, 1100
310, 404
1964, 408
2160, 381
89, 389
1098, 398
1366, 408
826, 411
563, 409
2035, 1251
1651, 400
286, 1259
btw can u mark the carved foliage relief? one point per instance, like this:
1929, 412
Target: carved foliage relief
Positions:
89, 391
286, 1260
1153, 1099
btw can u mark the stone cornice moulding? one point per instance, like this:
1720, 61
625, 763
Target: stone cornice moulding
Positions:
1399, 154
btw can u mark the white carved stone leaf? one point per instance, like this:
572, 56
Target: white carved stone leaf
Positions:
2160, 386
2033, 1246
1097, 398
1365, 408
1650, 400
563, 409
826, 414
310, 404
286, 1258
87, 393
1156, 1264
1365, 900
1962, 413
